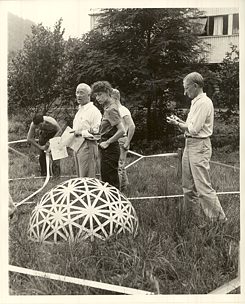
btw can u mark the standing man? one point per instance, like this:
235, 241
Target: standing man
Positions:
48, 128
198, 192
85, 124
124, 142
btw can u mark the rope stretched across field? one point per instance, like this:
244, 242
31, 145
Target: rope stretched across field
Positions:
94, 284
45, 182
228, 287
129, 165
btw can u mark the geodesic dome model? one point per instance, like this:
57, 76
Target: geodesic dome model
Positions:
82, 208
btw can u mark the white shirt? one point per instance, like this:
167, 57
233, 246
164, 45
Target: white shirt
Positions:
88, 117
201, 117
123, 111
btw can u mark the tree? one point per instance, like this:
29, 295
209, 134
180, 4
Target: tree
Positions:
142, 52
33, 74
228, 74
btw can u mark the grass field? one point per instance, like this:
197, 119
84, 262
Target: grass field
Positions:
169, 255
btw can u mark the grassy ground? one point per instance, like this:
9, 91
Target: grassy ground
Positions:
170, 254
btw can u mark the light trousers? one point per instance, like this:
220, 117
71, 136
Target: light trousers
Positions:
198, 192
86, 159
123, 178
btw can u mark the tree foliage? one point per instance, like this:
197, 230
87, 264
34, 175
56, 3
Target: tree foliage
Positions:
229, 80
143, 52
141, 47
33, 78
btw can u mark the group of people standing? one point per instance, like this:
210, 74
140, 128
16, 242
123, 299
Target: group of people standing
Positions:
116, 128
105, 139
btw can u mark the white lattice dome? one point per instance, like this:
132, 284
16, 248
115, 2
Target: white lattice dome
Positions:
82, 208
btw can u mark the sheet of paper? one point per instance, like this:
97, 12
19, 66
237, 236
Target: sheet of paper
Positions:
58, 150
68, 139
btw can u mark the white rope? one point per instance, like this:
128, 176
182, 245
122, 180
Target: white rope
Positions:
17, 152
94, 284
134, 153
164, 154
45, 182
135, 161
154, 197
38, 177
177, 195
224, 165
228, 287
24, 178
17, 141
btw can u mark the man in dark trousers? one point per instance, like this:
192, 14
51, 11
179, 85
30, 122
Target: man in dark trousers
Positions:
198, 192
48, 128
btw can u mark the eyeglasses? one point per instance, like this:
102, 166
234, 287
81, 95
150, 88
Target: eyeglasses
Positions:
189, 86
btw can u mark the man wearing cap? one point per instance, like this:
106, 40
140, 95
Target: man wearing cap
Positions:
86, 124
196, 183
124, 141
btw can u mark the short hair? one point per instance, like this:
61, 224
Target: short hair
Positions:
85, 87
37, 119
101, 86
195, 77
115, 94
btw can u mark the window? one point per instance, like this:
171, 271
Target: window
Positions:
235, 25
213, 26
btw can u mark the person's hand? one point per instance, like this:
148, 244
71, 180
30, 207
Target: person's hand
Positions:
77, 133
126, 145
104, 144
42, 147
87, 134
172, 120
47, 145
175, 117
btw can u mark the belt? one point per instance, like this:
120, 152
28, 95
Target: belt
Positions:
189, 136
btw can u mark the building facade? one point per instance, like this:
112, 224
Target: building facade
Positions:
219, 29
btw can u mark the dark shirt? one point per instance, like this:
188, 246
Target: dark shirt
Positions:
111, 118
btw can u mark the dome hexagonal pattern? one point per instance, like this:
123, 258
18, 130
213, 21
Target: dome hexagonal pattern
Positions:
82, 208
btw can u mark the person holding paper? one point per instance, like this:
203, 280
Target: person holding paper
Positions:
199, 195
111, 130
48, 128
86, 125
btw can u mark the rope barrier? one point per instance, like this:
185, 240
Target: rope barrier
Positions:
228, 287
17, 152
17, 141
94, 284
135, 161
45, 182
158, 155
38, 177
134, 153
224, 165
175, 196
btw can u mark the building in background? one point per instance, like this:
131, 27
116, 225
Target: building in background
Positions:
94, 14
219, 28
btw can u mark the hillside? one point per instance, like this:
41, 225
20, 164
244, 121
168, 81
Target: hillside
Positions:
18, 28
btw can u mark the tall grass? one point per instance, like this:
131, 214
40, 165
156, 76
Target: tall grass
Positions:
169, 255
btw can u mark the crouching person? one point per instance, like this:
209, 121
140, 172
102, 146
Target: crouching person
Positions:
48, 128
